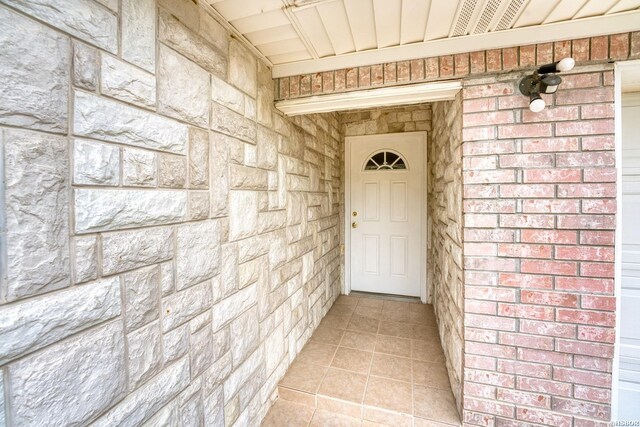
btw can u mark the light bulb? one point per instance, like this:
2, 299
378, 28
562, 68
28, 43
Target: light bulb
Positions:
537, 104
566, 64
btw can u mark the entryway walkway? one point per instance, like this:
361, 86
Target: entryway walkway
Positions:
371, 362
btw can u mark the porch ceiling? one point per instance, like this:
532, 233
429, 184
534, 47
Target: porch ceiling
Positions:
304, 36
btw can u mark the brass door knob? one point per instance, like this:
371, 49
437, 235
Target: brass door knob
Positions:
354, 225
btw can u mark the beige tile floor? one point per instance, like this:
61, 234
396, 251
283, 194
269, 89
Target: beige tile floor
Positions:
372, 361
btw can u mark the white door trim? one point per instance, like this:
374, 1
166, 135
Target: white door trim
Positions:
424, 296
622, 71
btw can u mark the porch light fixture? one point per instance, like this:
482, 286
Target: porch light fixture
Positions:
544, 80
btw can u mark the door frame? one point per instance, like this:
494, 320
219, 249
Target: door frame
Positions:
621, 69
424, 283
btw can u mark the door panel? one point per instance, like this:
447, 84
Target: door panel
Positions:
399, 256
398, 201
371, 201
372, 254
387, 199
629, 382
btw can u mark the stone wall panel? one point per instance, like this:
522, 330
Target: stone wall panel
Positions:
173, 228
197, 252
243, 71
183, 88
87, 20
138, 33
198, 158
172, 171
199, 205
122, 251
108, 120
95, 163
148, 399
37, 208
142, 290
85, 66
57, 316
192, 45
139, 168
103, 210
70, 382
231, 123
185, 305
145, 354
30, 49
127, 83
86, 257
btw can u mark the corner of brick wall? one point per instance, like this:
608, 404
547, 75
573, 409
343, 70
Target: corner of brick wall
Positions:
539, 215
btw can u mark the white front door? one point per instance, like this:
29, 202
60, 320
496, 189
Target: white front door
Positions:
629, 383
387, 213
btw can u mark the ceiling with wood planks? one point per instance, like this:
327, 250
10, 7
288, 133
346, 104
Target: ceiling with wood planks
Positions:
301, 36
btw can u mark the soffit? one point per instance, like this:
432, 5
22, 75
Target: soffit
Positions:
304, 36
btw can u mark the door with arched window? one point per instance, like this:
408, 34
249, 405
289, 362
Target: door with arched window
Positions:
386, 198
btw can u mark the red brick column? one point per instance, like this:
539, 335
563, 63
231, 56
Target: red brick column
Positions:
539, 203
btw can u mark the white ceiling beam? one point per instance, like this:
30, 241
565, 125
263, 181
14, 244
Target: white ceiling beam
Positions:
250, 24
624, 5
222, 21
335, 21
387, 14
594, 8
565, 10
440, 19
234, 9
381, 97
414, 20
535, 12
587, 27
295, 23
362, 23
313, 30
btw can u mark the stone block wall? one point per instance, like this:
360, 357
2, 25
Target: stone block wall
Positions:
445, 261
169, 241
539, 203
375, 121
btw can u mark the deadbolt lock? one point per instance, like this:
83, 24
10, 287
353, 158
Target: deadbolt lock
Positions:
354, 213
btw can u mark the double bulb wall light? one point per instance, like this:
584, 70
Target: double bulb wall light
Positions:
543, 80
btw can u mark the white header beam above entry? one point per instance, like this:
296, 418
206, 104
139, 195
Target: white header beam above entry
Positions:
381, 97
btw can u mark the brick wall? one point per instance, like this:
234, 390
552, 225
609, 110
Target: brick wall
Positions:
615, 47
445, 253
539, 203
169, 241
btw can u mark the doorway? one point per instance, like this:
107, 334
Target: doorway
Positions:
385, 219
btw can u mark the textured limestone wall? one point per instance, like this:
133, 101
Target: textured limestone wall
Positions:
386, 120
445, 267
169, 241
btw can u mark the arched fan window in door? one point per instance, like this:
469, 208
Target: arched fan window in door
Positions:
385, 160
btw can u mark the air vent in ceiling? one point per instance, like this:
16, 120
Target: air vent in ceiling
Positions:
488, 14
464, 16
510, 15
